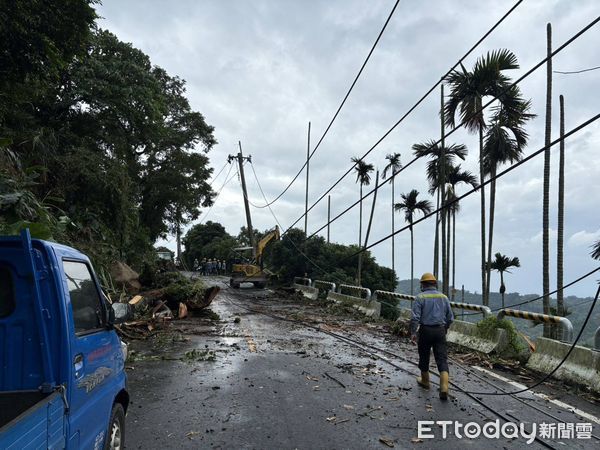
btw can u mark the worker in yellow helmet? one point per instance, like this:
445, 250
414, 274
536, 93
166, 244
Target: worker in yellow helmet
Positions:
432, 316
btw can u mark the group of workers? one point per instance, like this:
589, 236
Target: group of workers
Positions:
210, 266
431, 318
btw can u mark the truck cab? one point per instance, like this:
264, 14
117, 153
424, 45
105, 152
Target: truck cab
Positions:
62, 375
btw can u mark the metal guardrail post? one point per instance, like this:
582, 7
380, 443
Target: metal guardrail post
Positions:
566, 325
597, 340
471, 307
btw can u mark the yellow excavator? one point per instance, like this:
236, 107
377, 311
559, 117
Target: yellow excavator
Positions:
253, 272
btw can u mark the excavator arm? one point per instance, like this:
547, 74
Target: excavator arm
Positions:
274, 234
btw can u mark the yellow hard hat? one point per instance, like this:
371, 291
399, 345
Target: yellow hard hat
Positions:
428, 277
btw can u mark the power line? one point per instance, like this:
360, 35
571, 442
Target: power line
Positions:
217, 175
479, 110
387, 133
218, 193
486, 182
577, 71
267, 203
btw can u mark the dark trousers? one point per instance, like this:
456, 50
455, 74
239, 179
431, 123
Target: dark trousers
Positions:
433, 337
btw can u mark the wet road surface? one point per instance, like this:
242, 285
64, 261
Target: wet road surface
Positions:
252, 381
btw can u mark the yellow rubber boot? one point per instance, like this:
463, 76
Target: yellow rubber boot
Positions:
444, 385
423, 380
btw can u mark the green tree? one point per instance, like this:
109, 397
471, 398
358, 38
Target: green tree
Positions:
441, 159
363, 178
456, 176
502, 264
467, 91
392, 168
410, 205
505, 140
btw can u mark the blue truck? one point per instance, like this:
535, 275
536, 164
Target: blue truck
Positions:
62, 365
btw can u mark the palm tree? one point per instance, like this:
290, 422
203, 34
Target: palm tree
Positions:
560, 303
596, 250
505, 139
546, 197
363, 177
410, 205
393, 166
501, 264
467, 90
456, 176
441, 159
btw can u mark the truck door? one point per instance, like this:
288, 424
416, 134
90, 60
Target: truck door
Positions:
95, 351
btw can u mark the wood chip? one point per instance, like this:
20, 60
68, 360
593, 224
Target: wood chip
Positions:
387, 441
135, 300
416, 440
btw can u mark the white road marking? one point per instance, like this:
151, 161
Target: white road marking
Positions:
563, 405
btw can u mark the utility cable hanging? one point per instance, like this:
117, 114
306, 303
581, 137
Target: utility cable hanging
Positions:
212, 181
387, 133
486, 182
218, 193
453, 130
268, 203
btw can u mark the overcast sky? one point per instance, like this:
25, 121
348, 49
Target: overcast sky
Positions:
260, 70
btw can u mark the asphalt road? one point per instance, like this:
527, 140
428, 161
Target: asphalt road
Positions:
251, 381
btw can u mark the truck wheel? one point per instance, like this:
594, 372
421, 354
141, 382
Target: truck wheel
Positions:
115, 437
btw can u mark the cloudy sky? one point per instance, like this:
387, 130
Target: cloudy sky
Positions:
259, 71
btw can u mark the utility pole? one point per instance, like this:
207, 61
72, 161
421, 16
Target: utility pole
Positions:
240, 159
307, 172
328, 215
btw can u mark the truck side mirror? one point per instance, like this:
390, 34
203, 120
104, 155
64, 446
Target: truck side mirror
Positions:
120, 312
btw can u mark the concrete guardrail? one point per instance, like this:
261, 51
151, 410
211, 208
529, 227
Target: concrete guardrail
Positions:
404, 313
370, 308
597, 340
324, 285
362, 292
566, 325
582, 366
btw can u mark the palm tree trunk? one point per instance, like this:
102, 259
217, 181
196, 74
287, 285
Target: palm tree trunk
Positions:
393, 229
502, 287
412, 276
442, 187
448, 241
368, 229
453, 253
358, 274
546, 201
436, 245
490, 232
560, 305
485, 301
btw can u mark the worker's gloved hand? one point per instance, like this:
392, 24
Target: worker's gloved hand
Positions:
413, 339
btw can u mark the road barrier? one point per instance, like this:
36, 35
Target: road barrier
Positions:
466, 334
324, 285
582, 366
405, 313
370, 308
566, 325
483, 309
362, 292
597, 340
303, 281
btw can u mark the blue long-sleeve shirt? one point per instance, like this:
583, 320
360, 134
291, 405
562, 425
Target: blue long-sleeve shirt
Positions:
430, 307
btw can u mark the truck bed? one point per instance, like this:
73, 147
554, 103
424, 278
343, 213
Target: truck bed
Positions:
30, 419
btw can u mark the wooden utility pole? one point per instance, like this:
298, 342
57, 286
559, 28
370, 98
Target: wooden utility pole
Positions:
307, 173
328, 215
240, 159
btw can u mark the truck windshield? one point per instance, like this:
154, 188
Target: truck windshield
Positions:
7, 293
85, 301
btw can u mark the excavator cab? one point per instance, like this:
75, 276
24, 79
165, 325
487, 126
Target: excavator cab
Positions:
253, 272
